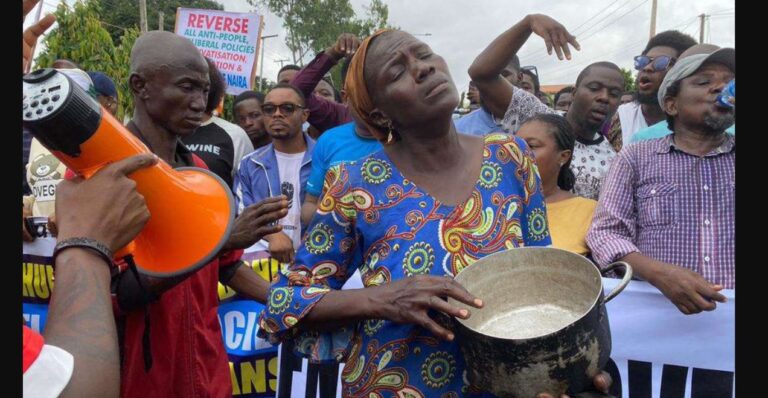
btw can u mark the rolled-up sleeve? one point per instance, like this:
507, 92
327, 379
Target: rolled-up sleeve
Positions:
323, 114
614, 226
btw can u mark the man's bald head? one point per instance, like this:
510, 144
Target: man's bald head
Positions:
156, 49
169, 80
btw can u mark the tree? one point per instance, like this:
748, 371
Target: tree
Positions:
124, 14
81, 37
313, 25
629, 81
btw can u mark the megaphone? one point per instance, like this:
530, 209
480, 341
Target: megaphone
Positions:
192, 209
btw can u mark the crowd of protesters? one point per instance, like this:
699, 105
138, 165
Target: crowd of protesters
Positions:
374, 177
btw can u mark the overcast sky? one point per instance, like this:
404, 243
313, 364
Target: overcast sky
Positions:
608, 30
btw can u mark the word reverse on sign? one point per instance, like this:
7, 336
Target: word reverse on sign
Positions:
218, 22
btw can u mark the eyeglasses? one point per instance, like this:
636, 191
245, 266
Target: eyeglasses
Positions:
286, 109
660, 63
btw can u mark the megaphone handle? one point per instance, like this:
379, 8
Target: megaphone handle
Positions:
128, 249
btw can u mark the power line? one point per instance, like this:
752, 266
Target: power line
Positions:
687, 25
615, 54
575, 32
587, 21
585, 38
115, 26
723, 10
620, 51
612, 22
606, 17
623, 49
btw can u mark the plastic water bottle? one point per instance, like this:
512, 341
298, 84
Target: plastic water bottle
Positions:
728, 94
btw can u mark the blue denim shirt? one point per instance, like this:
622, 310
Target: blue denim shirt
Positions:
259, 178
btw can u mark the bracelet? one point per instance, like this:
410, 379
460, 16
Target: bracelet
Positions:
101, 249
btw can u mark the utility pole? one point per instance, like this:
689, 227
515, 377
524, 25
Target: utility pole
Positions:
143, 15
282, 61
701, 28
261, 68
653, 19
160, 16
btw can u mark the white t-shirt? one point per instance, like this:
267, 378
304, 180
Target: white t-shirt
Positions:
590, 164
49, 374
631, 119
289, 168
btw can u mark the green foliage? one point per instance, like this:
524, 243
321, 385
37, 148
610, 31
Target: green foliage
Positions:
629, 80
314, 25
82, 37
124, 14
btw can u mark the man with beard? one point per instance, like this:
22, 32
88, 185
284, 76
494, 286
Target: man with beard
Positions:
661, 128
667, 206
281, 167
652, 65
595, 99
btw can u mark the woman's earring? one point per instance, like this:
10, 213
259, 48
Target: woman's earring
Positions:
390, 136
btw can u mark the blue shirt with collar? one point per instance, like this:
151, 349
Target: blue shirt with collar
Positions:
661, 129
478, 122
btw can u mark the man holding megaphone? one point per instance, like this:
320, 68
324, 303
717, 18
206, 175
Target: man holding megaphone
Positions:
183, 354
171, 343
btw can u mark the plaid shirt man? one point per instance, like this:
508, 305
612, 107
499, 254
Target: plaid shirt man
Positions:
672, 206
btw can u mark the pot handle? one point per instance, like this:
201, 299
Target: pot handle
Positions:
624, 281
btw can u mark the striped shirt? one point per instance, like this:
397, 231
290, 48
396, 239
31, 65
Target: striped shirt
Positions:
672, 206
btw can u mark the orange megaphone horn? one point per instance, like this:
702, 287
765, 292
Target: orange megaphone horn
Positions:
192, 209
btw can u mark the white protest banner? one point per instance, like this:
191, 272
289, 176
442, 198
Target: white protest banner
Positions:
660, 352
230, 39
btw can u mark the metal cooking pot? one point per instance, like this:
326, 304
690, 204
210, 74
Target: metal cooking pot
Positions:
543, 326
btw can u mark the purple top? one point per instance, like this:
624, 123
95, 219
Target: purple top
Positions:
672, 206
323, 114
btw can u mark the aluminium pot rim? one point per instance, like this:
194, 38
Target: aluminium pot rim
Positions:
595, 302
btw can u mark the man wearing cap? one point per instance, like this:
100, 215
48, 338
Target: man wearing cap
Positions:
661, 128
660, 54
106, 93
667, 205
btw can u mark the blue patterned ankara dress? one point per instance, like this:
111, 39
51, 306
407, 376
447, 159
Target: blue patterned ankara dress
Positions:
374, 219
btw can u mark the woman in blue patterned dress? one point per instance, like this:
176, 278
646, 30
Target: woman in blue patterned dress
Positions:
409, 217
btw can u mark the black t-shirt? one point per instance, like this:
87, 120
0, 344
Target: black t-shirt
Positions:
221, 145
